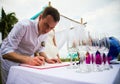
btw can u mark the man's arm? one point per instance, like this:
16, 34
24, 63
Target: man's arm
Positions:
24, 59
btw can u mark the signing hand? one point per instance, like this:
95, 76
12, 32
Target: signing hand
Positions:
52, 61
36, 61
56, 60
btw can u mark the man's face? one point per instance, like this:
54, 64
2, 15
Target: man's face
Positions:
46, 24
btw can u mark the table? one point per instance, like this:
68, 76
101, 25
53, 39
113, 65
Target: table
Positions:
62, 75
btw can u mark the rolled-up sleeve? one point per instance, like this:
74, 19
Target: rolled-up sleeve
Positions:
12, 41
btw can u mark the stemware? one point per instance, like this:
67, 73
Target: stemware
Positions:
72, 46
104, 48
93, 43
82, 50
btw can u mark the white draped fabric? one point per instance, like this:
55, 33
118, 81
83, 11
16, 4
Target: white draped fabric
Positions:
63, 28
50, 49
62, 31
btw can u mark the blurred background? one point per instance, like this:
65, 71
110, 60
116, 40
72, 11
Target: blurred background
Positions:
100, 15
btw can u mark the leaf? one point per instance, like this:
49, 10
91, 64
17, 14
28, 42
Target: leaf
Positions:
7, 22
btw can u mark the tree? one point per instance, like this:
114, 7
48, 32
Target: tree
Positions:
7, 22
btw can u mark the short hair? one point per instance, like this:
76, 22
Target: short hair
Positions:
51, 11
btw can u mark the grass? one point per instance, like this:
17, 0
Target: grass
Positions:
68, 59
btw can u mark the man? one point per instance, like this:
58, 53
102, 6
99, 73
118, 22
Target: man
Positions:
26, 38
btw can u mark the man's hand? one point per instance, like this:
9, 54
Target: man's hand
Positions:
49, 61
36, 61
59, 60
56, 60
52, 61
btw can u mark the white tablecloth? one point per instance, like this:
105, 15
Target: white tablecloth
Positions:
62, 75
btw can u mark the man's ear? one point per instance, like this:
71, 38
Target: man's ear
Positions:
40, 17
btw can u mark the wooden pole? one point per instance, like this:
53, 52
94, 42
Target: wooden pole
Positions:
83, 23
70, 19
81, 20
49, 4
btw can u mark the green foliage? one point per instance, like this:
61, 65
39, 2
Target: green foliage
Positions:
65, 59
68, 59
7, 22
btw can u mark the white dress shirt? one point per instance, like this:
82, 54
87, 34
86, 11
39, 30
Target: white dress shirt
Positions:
23, 39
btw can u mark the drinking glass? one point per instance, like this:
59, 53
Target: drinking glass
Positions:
93, 43
72, 46
104, 49
82, 50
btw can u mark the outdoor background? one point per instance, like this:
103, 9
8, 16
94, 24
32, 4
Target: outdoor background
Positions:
100, 15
